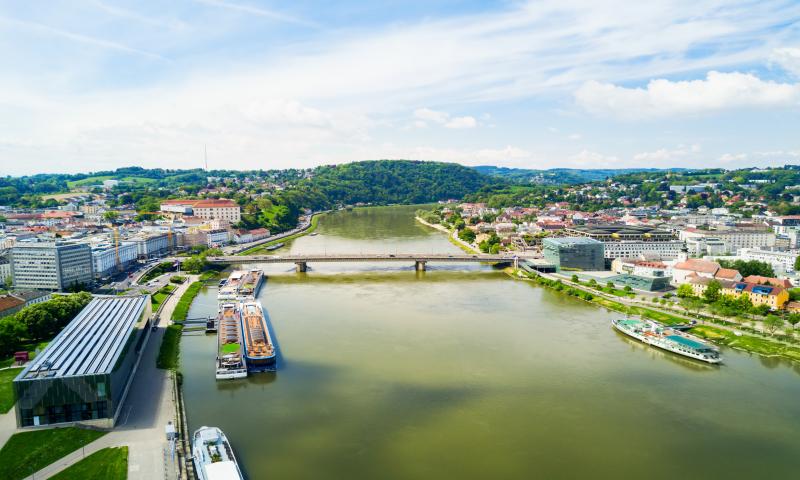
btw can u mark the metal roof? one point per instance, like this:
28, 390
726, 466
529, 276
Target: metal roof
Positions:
92, 342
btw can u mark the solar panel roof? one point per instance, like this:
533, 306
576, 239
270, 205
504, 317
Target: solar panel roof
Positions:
92, 342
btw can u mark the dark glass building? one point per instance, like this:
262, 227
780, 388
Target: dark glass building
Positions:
579, 253
84, 373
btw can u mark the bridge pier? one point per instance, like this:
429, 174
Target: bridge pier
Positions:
301, 267
419, 265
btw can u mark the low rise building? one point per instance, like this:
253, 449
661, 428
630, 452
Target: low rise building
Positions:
774, 296
84, 374
208, 209
16, 301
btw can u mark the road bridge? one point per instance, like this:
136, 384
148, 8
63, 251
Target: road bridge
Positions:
420, 260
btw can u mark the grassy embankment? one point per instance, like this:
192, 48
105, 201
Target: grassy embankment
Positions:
162, 294
107, 464
156, 271
169, 351
748, 343
6, 388
29, 452
263, 247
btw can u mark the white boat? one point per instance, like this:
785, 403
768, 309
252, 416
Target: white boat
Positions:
213, 456
666, 338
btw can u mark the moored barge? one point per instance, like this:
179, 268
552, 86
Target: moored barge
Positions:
259, 349
230, 356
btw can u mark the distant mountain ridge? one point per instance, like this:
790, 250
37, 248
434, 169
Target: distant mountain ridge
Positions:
563, 175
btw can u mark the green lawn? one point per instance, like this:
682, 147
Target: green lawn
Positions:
107, 464
96, 180
182, 308
29, 452
170, 348
230, 348
158, 298
31, 347
749, 343
6, 390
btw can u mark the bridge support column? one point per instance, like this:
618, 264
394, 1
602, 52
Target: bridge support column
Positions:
419, 265
301, 267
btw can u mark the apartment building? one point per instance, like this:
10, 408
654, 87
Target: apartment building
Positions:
732, 239
106, 258
774, 296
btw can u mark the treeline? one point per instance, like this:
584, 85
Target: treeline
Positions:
39, 322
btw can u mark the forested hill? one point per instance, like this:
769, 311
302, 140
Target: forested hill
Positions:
396, 181
557, 176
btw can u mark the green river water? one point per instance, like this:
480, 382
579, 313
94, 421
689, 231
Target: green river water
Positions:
461, 372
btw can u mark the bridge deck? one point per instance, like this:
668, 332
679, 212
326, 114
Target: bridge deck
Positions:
400, 257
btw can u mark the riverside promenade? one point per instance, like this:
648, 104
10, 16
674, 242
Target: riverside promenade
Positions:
150, 405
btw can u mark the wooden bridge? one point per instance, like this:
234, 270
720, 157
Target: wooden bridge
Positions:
419, 259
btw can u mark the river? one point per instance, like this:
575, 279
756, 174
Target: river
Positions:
462, 372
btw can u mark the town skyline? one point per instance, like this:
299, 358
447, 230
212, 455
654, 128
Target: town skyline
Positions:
98, 86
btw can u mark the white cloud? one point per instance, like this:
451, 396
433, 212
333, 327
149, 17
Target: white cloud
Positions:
461, 122
718, 91
574, 136
589, 159
787, 58
667, 157
424, 115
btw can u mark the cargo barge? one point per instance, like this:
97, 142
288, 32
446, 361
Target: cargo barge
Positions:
241, 284
251, 283
230, 356
259, 350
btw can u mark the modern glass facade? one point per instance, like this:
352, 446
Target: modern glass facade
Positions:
83, 375
574, 252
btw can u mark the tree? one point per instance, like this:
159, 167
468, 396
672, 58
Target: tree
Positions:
793, 319
772, 323
685, 290
713, 291
761, 309
467, 235
797, 264
610, 285
111, 216
575, 278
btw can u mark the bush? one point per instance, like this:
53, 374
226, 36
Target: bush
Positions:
169, 352
182, 308
177, 279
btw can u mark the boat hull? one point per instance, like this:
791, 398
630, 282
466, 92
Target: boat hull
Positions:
663, 345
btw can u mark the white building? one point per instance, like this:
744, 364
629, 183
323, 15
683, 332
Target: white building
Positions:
629, 249
699, 246
148, 246
105, 258
780, 261
218, 237
733, 239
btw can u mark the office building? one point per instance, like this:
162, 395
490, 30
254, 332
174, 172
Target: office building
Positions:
107, 259
574, 253
51, 266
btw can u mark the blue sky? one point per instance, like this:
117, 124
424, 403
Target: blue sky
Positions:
93, 84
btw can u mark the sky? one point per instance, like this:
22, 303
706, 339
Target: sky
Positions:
90, 85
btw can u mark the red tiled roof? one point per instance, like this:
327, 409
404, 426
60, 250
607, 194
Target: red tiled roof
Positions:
8, 302
785, 283
202, 202
727, 273
697, 265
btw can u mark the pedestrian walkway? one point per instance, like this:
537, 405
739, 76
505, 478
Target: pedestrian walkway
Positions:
150, 405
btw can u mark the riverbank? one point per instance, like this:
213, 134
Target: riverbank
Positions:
719, 334
451, 235
284, 237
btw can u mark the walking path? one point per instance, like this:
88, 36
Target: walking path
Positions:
147, 410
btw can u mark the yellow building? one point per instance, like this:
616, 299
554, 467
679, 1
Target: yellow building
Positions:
774, 296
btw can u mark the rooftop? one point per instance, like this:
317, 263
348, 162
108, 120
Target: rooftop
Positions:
92, 342
573, 240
